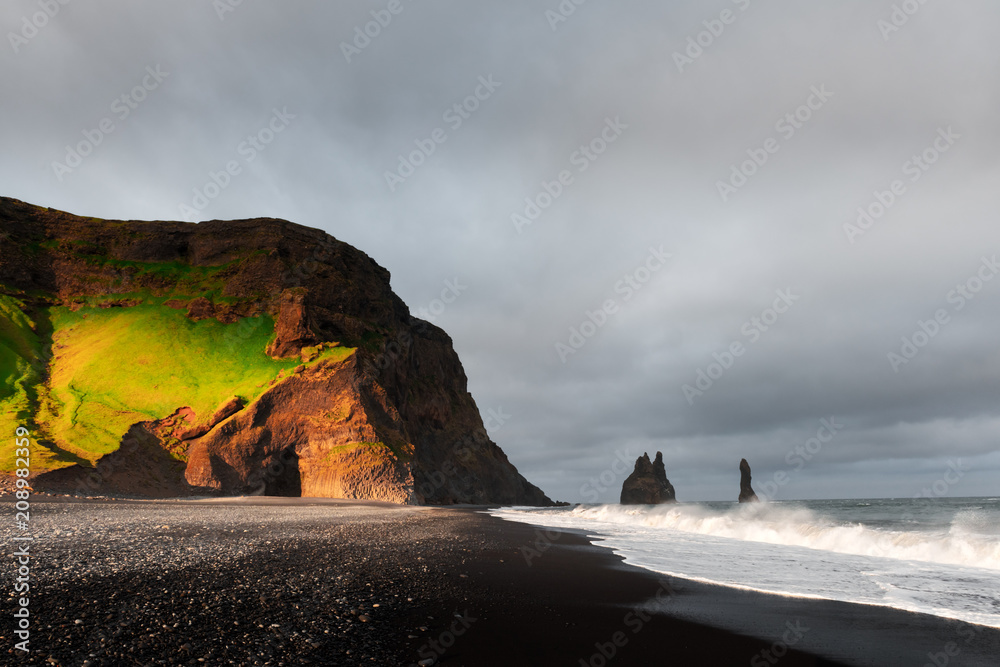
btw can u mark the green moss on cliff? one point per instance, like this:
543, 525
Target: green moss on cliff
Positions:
113, 367
20, 372
117, 366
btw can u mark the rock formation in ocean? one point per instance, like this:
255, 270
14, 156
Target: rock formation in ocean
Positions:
229, 357
746, 491
648, 484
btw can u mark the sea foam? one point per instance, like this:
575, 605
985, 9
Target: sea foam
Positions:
940, 558
965, 543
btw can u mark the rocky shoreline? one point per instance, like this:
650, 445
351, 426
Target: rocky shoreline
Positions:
278, 581
131, 582
292, 581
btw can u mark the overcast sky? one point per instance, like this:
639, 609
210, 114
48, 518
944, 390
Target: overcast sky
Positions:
648, 113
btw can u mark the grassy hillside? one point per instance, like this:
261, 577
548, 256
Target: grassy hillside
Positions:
113, 367
20, 373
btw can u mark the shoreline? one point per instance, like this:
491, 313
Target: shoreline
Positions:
451, 584
815, 630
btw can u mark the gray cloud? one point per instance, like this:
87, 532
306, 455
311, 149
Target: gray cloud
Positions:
655, 185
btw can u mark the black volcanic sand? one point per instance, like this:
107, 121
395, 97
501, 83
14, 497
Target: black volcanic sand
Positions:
289, 581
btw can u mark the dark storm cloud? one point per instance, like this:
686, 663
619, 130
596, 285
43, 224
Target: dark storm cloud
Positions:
887, 95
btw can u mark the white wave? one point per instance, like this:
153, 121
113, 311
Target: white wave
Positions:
968, 542
977, 521
933, 560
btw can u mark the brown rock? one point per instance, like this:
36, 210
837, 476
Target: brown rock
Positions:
193, 432
270, 449
229, 407
292, 328
746, 491
119, 303
648, 483
200, 309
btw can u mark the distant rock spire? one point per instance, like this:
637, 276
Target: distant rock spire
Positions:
746, 491
648, 484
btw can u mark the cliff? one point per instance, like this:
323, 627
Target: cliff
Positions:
229, 357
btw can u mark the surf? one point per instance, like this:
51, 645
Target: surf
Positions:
966, 542
938, 557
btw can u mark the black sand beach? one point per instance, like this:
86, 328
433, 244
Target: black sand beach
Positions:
267, 581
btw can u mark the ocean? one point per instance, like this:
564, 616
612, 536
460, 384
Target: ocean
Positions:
938, 556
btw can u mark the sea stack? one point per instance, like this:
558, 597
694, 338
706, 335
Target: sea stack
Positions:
648, 484
746, 491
